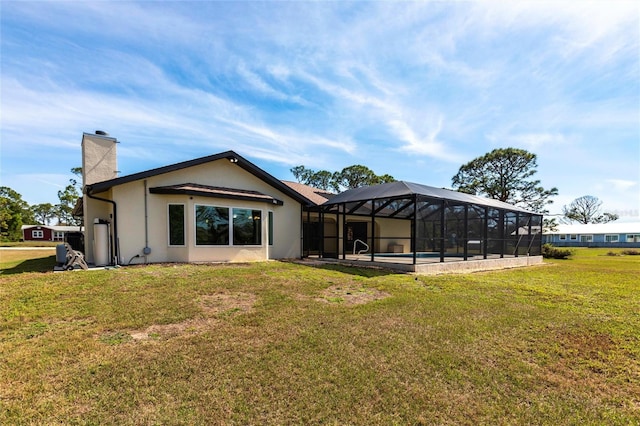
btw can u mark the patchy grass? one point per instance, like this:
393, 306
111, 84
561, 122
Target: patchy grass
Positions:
270, 343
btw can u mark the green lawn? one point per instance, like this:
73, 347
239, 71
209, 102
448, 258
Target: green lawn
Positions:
281, 343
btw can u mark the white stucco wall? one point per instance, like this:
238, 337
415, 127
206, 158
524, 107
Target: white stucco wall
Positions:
130, 200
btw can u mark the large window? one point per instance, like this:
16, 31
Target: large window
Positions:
58, 236
37, 234
219, 226
176, 225
586, 238
246, 227
613, 238
212, 225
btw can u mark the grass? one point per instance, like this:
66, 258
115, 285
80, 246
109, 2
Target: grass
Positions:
51, 244
27, 260
281, 343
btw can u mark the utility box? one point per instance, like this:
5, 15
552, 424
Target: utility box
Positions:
61, 254
101, 247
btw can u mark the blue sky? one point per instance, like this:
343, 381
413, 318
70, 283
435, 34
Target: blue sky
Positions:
412, 89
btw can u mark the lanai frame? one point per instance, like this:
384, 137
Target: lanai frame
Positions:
437, 228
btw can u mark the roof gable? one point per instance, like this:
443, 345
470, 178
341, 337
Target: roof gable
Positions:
229, 155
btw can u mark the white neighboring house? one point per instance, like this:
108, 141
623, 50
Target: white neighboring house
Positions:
612, 234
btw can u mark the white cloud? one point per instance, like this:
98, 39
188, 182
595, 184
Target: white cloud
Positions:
427, 145
529, 141
316, 83
621, 184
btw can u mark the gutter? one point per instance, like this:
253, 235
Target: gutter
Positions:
89, 188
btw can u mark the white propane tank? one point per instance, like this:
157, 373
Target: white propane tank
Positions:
101, 244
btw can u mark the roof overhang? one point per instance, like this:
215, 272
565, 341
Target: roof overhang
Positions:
216, 192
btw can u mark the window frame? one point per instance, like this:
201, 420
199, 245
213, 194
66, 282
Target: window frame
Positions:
37, 234
586, 238
195, 225
608, 238
233, 226
184, 225
270, 228
230, 224
562, 237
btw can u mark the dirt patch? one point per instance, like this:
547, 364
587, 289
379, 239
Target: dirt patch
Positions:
351, 295
214, 308
227, 303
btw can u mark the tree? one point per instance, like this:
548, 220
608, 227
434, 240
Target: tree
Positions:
68, 198
43, 213
348, 178
14, 212
586, 209
505, 174
321, 179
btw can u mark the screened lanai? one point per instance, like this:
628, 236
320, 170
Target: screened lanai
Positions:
408, 223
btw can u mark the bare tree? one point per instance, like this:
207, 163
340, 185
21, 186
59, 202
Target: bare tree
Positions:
586, 209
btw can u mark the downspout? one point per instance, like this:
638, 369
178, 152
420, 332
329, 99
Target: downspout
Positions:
115, 221
146, 251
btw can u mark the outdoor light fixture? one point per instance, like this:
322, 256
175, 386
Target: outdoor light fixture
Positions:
233, 160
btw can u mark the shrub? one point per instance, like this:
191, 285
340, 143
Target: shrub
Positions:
551, 252
612, 253
631, 252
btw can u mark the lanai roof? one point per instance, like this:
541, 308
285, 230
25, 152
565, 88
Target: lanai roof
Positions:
400, 189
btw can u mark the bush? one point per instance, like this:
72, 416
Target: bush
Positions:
630, 252
551, 252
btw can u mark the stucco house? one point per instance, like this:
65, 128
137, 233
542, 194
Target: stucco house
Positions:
223, 208
217, 208
612, 234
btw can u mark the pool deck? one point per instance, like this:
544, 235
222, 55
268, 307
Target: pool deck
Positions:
433, 266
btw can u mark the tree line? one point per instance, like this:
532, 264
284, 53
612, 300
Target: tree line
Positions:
505, 174
15, 212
